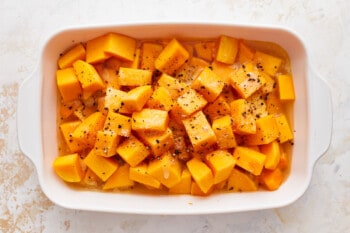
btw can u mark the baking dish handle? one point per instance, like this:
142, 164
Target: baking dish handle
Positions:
28, 119
320, 116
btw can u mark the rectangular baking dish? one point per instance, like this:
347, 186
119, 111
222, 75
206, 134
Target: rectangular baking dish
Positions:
36, 121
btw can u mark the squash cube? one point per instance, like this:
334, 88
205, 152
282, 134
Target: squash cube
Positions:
95, 49
271, 179
196, 190
273, 154
240, 182
150, 119
205, 50
68, 168
266, 131
86, 132
190, 70
267, 63
250, 160
149, 54
159, 142
136, 98
221, 164
161, 99
245, 54
173, 85
285, 87
91, 179
121, 46
134, 77
190, 102
103, 167
68, 84
223, 130
227, 49
120, 179
118, 123
67, 130
223, 70
106, 143
71, 56
285, 132
243, 120
166, 169
132, 151
67, 109
217, 109
184, 186
110, 77
273, 103
135, 64
172, 57
140, 174
201, 173
208, 84
199, 131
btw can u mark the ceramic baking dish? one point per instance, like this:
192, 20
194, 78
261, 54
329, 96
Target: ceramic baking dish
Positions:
36, 119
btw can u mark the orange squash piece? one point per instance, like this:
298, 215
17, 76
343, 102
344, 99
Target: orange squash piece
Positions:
68, 168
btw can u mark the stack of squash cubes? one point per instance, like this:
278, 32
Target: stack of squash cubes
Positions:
189, 117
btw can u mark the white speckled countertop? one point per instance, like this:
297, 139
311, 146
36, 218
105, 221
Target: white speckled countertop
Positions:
323, 25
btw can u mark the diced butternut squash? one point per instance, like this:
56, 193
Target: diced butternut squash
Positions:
110, 77
88, 77
150, 119
67, 130
268, 63
161, 99
285, 87
217, 109
221, 164
95, 49
227, 49
132, 151
140, 174
285, 132
159, 141
243, 120
190, 70
245, 54
83, 111
196, 190
103, 167
119, 179
190, 102
208, 84
240, 182
166, 169
91, 179
270, 83
201, 173
149, 54
273, 154
67, 109
266, 131
86, 132
136, 98
68, 84
68, 168
271, 179
284, 160
273, 103
223, 70
106, 143
257, 105
250, 160
173, 85
199, 131
205, 50
113, 101
223, 130
134, 77
71, 56
184, 186
118, 123
121, 46
135, 64
172, 57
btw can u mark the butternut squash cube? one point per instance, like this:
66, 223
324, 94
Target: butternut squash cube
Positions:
284, 160
269, 85
221, 164
223, 70
205, 50
217, 109
140, 174
136, 98
86, 132
113, 101
135, 64
72, 55
118, 123
271, 179
227, 49
273, 154
68, 84
150, 119
208, 84
159, 142
91, 179
190, 70
266, 131
110, 77
250, 160
184, 186
273, 103
245, 54
267, 63
67, 109
240, 182
285, 87
120, 179
121, 46
201, 173
106, 143
95, 49
134, 77
190, 102
150, 52
161, 99
199, 131
243, 120
196, 190
132, 151
173, 85
285, 132
166, 169
103, 167
83, 111
68, 168
88, 77
67, 130
223, 130
172, 57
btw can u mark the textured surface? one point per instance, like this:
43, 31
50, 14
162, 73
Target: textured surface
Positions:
324, 26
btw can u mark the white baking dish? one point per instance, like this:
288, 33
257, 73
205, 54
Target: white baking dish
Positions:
36, 118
